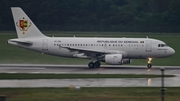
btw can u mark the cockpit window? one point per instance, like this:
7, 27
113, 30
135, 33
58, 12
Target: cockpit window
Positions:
162, 45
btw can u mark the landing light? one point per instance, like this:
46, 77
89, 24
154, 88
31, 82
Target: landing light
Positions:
149, 60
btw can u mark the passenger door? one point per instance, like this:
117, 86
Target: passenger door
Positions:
148, 46
45, 45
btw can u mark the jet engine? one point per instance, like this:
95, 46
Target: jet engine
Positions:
114, 59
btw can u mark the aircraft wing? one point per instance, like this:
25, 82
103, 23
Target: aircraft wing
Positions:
93, 52
83, 50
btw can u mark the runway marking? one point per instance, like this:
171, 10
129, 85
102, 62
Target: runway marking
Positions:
49, 73
35, 72
32, 68
12, 72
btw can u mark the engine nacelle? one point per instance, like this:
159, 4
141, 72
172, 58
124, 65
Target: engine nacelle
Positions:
127, 61
114, 59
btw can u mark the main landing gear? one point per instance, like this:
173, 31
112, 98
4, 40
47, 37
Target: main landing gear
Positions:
94, 64
149, 65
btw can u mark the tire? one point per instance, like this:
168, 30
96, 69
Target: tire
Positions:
91, 65
149, 65
97, 64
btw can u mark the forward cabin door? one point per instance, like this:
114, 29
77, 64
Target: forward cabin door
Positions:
45, 45
148, 46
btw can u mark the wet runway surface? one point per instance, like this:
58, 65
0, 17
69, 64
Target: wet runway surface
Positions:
83, 69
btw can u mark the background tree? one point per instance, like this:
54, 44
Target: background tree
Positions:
97, 15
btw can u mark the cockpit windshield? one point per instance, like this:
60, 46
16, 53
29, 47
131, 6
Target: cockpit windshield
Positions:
162, 45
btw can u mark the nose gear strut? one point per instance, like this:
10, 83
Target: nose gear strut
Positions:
149, 65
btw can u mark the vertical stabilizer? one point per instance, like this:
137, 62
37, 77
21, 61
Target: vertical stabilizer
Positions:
25, 28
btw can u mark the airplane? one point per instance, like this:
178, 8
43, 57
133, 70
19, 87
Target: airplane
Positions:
112, 51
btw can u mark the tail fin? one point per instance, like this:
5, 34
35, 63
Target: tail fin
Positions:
25, 28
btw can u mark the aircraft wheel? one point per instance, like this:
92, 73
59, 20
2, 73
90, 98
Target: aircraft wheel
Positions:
97, 64
91, 65
149, 65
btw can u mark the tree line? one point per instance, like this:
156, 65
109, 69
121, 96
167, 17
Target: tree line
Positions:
96, 15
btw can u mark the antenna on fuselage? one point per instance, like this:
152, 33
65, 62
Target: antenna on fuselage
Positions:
147, 37
74, 36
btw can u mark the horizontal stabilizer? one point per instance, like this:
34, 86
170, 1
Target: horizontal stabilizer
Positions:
22, 42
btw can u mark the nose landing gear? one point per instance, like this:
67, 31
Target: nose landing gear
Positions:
149, 65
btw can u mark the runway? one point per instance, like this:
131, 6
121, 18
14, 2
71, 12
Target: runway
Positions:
83, 69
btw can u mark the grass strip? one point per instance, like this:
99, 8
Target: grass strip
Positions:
90, 94
74, 76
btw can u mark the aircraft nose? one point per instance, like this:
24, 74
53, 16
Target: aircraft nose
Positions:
171, 51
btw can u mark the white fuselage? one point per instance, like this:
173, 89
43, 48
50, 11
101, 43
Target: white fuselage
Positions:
114, 51
134, 48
